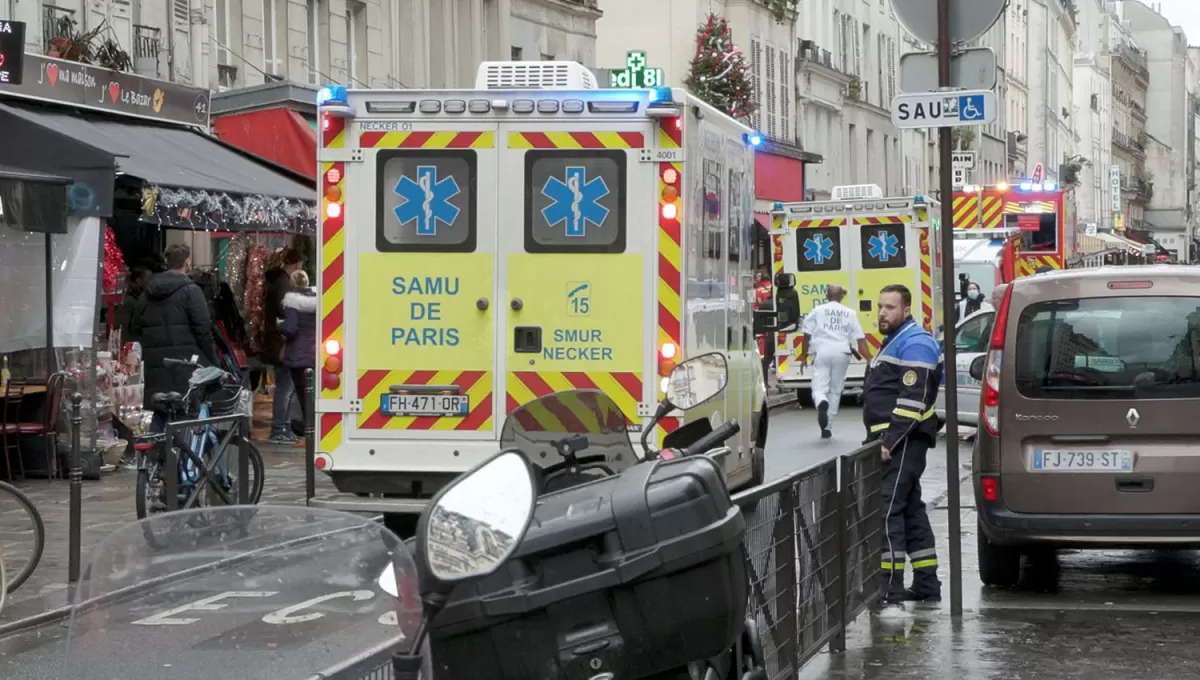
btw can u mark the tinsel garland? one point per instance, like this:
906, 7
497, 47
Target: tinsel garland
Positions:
114, 260
235, 264
256, 274
201, 209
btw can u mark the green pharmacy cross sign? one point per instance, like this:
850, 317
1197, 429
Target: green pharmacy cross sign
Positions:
636, 75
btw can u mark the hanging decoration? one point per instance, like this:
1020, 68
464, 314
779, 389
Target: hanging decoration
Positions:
256, 274
114, 261
719, 73
235, 264
202, 209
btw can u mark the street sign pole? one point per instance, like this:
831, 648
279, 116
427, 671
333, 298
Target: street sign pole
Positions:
949, 309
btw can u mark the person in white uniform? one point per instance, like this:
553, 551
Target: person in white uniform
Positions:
830, 331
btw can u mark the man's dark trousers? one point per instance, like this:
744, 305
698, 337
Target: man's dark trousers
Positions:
908, 532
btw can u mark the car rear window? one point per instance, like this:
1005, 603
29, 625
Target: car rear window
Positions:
1110, 348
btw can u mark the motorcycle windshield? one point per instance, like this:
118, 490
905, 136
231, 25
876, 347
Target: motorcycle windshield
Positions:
538, 426
242, 592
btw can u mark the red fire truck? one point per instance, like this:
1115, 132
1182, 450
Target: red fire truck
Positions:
1042, 214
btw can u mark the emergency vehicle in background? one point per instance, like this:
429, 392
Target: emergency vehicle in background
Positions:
1030, 226
483, 248
861, 241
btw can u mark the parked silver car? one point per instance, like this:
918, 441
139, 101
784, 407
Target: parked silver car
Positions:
970, 341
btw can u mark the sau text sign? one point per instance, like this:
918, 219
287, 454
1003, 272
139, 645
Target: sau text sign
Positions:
944, 109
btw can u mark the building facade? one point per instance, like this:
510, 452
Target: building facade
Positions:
1016, 71
1130, 80
229, 44
1097, 200
1168, 126
1051, 63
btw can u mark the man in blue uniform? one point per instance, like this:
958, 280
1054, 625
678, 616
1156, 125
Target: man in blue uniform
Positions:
898, 409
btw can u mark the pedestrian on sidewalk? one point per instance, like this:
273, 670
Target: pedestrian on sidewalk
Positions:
277, 284
830, 332
300, 330
898, 410
171, 321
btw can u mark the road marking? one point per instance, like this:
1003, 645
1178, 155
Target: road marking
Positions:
286, 615
208, 604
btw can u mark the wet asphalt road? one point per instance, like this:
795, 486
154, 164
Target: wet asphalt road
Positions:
1113, 615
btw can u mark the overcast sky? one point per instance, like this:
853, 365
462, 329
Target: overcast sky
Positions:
1182, 13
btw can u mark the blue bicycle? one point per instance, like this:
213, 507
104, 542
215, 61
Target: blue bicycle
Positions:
203, 476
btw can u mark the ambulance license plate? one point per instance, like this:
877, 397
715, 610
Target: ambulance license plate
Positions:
451, 405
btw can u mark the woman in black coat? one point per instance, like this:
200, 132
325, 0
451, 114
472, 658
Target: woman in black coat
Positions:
300, 330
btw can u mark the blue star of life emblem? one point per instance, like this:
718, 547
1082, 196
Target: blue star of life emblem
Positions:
427, 200
576, 201
883, 246
818, 249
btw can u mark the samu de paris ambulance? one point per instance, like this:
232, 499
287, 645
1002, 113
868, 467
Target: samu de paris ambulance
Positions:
482, 248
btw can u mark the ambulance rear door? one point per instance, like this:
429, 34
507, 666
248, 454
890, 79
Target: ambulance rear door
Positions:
576, 260
884, 250
419, 292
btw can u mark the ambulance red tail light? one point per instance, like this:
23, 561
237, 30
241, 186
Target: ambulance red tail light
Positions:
990, 405
667, 358
331, 374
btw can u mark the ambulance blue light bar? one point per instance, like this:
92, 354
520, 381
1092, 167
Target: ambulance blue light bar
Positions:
332, 94
754, 139
660, 95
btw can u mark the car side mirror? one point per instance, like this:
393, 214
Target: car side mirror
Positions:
976, 369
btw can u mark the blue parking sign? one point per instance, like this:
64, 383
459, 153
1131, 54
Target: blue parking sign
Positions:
970, 107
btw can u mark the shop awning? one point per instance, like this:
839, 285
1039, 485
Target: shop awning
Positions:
280, 135
1129, 246
183, 171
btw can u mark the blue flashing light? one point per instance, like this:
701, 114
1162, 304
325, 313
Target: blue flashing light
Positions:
754, 139
1037, 187
918, 199
1026, 186
331, 94
1048, 186
778, 205
660, 95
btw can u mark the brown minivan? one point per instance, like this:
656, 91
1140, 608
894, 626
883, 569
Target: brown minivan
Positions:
1089, 428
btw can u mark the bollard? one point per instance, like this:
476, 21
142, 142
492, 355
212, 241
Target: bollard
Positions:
75, 509
310, 436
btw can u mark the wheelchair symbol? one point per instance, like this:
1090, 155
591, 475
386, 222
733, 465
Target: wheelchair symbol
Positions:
970, 107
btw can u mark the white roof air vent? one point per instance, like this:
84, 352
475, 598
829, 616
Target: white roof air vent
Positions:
852, 192
534, 75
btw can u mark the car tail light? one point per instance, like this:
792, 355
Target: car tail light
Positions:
990, 487
990, 404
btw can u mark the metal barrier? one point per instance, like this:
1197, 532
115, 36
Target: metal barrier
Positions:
217, 434
812, 539
813, 543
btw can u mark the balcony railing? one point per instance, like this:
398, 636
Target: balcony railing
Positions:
1135, 59
1130, 144
147, 40
56, 23
808, 51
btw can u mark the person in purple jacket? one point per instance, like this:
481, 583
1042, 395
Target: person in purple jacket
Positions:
299, 329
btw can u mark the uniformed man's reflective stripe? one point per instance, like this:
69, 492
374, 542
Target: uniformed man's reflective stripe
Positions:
880, 427
915, 415
923, 559
888, 359
893, 561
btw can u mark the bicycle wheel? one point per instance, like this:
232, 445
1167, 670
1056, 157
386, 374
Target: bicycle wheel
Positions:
150, 501
23, 538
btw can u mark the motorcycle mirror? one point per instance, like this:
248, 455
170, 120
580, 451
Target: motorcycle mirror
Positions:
475, 524
697, 380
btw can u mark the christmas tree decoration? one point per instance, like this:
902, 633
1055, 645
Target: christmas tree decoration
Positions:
719, 73
114, 261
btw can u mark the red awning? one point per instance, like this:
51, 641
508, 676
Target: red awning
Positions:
280, 135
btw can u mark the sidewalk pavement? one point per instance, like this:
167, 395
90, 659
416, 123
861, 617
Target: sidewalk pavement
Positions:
1112, 615
108, 503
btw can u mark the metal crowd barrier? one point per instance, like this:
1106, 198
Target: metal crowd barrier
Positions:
220, 432
813, 543
812, 538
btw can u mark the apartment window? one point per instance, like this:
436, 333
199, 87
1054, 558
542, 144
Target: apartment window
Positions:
274, 16
223, 23
858, 47
785, 97
864, 55
357, 36
756, 75
517, 54
771, 88
891, 72
314, 42
880, 62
